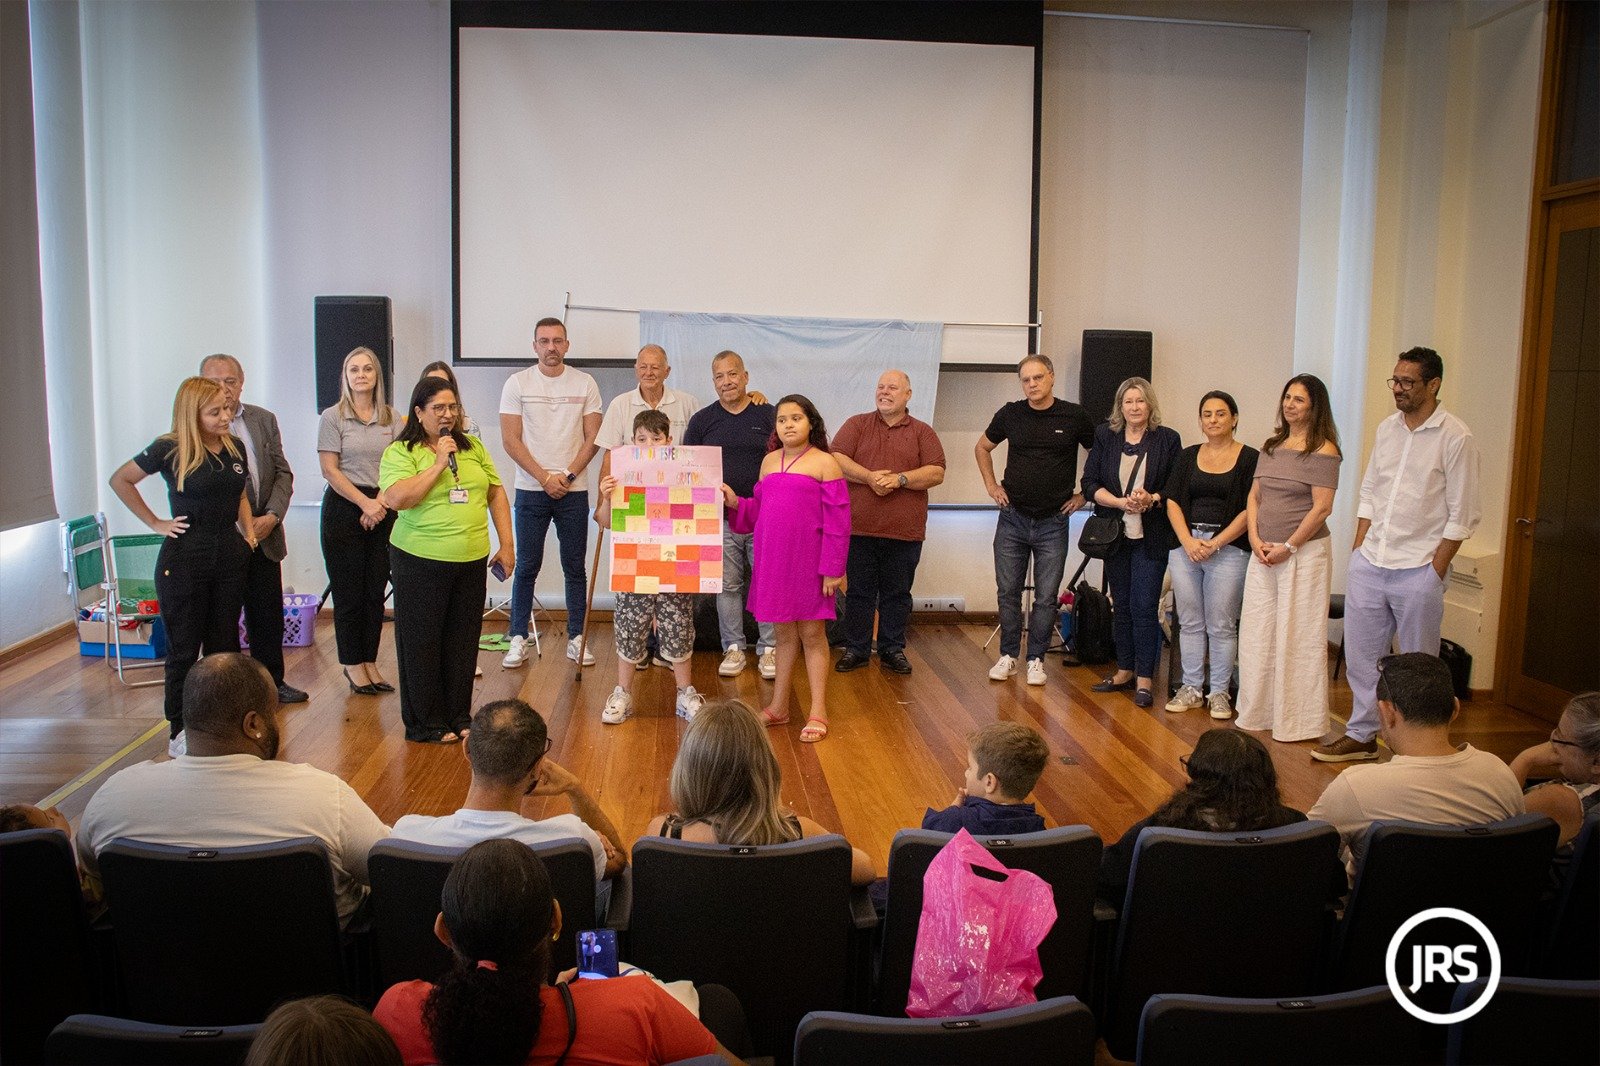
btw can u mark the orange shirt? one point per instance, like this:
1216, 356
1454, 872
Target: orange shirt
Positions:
904, 446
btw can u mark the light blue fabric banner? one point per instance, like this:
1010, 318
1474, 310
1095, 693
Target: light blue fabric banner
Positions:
835, 362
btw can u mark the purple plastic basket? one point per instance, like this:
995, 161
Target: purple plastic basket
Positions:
299, 621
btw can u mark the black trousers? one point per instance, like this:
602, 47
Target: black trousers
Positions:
438, 618
358, 572
881, 571
263, 612
200, 581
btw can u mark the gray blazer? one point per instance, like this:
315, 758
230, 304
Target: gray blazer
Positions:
274, 479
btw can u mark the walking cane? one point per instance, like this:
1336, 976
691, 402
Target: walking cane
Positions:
594, 573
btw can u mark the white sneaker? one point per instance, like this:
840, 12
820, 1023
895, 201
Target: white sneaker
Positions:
768, 663
572, 651
618, 709
689, 703
1035, 671
733, 662
1004, 668
1187, 699
517, 654
178, 745
1221, 706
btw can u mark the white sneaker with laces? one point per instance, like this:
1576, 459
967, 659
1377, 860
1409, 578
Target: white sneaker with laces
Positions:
732, 662
1035, 671
573, 646
1221, 705
1003, 668
178, 745
768, 663
618, 709
517, 654
1186, 699
689, 703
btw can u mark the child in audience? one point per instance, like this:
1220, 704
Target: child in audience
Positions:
322, 1031
16, 817
1004, 761
672, 613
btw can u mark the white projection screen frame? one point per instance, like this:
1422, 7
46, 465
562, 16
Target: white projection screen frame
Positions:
768, 175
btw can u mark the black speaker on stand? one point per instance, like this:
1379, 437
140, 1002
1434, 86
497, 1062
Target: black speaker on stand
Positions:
1110, 357
344, 323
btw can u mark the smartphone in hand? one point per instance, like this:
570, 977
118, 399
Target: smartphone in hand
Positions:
497, 568
597, 953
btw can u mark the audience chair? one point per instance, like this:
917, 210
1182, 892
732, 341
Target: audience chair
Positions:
1058, 1031
1571, 949
1224, 914
92, 1040
408, 879
47, 960
221, 934
1365, 1028
1529, 1021
1068, 859
1495, 872
773, 924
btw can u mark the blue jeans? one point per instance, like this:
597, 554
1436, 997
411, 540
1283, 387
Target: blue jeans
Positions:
737, 559
1135, 579
1018, 538
881, 571
1208, 596
534, 512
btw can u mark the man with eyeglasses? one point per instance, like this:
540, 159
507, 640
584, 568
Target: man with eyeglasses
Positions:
508, 749
549, 416
1419, 501
270, 485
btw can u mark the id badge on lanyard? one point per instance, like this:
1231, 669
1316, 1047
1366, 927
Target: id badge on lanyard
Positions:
458, 494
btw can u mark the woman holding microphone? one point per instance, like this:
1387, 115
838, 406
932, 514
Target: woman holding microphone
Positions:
355, 525
445, 487
201, 568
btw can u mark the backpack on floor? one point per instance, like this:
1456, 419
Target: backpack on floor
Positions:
1091, 622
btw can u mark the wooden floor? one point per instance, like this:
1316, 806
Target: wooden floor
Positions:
897, 743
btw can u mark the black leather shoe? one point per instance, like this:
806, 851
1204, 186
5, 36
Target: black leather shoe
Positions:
1144, 698
1111, 685
849, 661
896, 661
290, 694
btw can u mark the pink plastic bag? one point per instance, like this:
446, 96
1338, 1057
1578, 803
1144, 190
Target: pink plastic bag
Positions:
978, 942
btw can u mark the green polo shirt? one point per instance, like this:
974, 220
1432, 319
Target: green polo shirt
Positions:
435, 528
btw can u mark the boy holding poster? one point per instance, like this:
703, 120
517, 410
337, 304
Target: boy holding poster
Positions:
672, 613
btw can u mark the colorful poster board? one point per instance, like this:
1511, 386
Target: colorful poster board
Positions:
666, 519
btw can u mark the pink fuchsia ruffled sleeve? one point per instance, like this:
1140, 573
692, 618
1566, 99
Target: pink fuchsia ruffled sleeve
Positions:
835, 528
742, 519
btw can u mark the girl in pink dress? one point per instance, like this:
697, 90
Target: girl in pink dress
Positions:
800, 516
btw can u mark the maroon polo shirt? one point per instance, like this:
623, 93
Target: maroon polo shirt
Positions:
902, 447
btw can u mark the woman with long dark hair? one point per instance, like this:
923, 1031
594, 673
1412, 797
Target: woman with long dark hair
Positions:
496, 1004
200, 571
445, 487
1232, 787
355, 524
800, 518
1283, 627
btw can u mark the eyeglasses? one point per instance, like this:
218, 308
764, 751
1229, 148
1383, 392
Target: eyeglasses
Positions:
438, 410
1559, 742
1403, 384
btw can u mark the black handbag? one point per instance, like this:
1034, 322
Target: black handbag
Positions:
1103, 532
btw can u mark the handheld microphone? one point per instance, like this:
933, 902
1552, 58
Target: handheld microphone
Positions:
451, 458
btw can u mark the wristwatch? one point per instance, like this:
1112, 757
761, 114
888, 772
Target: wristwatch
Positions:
902, 481
1291, 547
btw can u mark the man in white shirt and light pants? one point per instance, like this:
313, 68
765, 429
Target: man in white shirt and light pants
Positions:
1419, 501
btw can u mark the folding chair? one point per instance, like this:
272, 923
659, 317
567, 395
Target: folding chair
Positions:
90, 557
1059, 1031
93, 1040
1540, 1023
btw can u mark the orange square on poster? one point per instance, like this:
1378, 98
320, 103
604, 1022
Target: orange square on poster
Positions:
647, 551
621, 567
622, 582
711, 571
707, 526
624, 550
688, 552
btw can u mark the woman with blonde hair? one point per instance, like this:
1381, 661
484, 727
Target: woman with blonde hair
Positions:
355, 524
1283, 627
200, 571
1125, 476
727, 788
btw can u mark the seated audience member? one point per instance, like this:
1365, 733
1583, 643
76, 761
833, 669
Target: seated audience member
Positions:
726, 788
17, 817
499, 920
1570, 760
1004, 761
322, 1031
507, 749
1429, 779
230, 790
1232, 787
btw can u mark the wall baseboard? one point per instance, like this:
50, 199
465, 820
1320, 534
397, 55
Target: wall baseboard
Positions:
39, 640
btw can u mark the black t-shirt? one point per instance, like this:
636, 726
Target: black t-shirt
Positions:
742, 437
1042, 463
210, 496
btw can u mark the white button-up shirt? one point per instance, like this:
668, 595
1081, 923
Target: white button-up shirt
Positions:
616, 429
1421, 487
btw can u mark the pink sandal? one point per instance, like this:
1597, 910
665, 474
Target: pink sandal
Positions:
771, 719
816, 728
